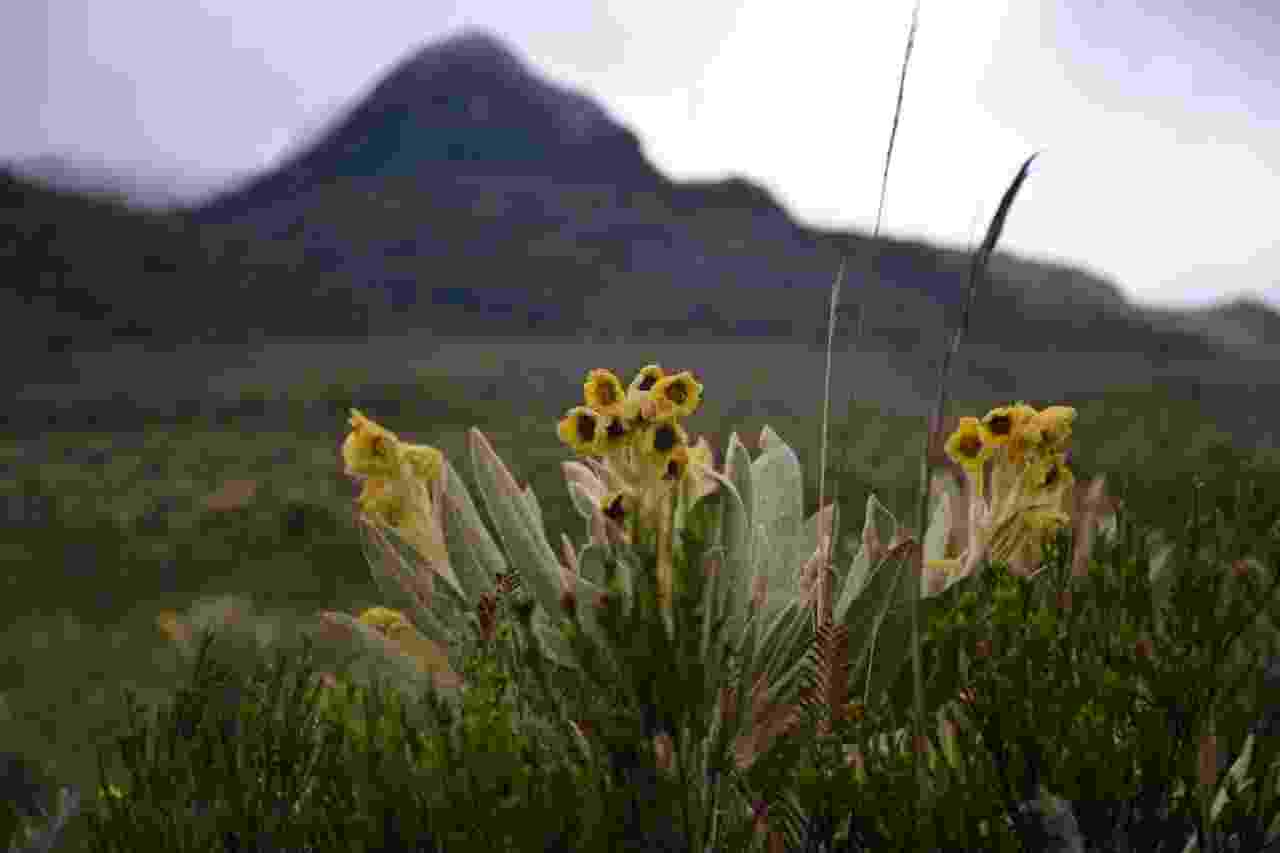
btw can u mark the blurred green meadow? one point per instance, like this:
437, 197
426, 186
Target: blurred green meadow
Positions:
229, 483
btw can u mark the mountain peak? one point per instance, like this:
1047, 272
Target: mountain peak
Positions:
466, 105
474, 45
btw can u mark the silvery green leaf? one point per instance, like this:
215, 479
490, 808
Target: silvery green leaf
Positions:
526, 543
477, 559
557, 648
935, 539
779, 492
778, 517
532, 500
375, 655
398, 571
585, 591
582, 501
591, 563
892, 645
867, 612
735, 564
787, 638
860, 569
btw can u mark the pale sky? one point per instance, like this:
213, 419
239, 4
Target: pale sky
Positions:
1159, 121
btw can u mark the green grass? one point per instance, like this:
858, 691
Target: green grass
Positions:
83, 586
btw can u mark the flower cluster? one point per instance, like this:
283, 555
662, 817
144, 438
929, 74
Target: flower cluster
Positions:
396, 478
638, 431
640, 452
1031, 485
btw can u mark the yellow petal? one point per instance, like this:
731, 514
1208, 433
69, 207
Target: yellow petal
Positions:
603, 392
428, 656
370, 449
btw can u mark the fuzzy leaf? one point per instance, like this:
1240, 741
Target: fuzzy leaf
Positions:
403, 577
786, 639
866, 613
779, 514
526, 543
737, 536
860, 570
582, 500
376, 655
532, 500
591, 563
476, 558
893, 642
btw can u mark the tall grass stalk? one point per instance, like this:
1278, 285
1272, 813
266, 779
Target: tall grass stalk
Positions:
824, 595
980, 260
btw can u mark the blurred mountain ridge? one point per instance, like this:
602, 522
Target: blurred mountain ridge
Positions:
463, 196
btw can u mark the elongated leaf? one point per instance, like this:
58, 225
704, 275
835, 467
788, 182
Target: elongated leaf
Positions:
893, 643
478, 560
376, 656
778, 486
526, 543
866, 614
785, 640
532, 500
582, 500
557, 648
737, 537
401, 575
591, 564
860, 571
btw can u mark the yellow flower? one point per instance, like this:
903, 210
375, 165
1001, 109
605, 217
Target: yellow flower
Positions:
657, 443
581, 430
1000, 424
617, 505
382, 619
381, 501
423, 461
603, 392
370, 449
1054, 424
677, 464
966, 446
645, 379
1045, 522
1048, 474
428, 656
676, 396
612, 435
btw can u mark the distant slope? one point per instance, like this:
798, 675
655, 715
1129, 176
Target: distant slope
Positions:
465, 197
135, 184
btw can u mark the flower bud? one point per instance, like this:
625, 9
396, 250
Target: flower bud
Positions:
663, 749
1240, 568
1064, 599
1208, 763
728, 704
982, 649
568, 602
1142, 648
967, 696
